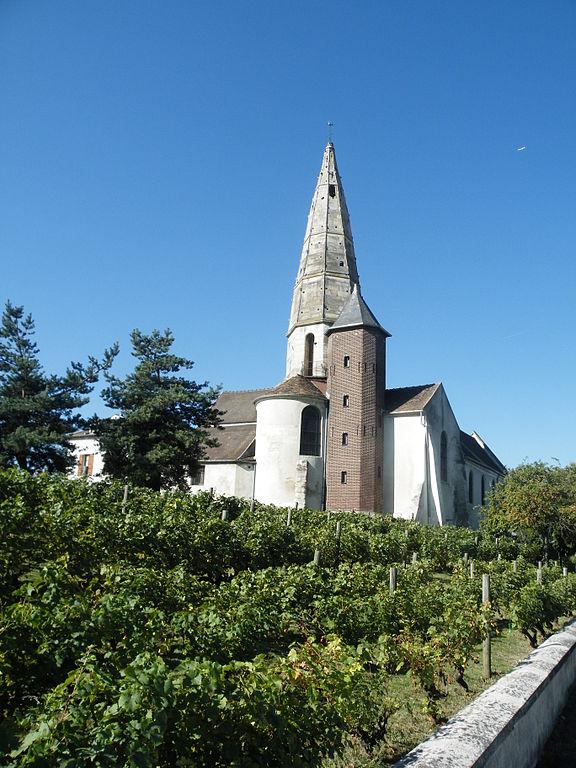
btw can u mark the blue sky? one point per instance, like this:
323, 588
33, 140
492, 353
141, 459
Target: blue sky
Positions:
158, 157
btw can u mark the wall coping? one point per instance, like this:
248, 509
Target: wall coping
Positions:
509, 723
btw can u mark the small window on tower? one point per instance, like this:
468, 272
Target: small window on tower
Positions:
341, 263
344, 438
344, 478
332, 190
346, 361
345, 401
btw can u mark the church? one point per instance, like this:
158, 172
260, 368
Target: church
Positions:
331, 435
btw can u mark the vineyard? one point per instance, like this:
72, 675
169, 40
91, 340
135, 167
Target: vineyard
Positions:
148, 629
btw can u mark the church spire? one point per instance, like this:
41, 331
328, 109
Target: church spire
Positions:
327, 270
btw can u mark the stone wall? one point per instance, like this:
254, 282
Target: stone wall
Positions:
508, 725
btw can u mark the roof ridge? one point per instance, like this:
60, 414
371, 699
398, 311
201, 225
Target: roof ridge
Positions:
414, 386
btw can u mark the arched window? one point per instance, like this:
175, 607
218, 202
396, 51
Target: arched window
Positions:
444, 457
309, 354
471, 488
310, 432
483, 490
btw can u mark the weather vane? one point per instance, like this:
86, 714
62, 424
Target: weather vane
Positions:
330, 126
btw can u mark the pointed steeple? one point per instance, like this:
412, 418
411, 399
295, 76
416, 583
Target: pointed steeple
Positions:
327, 270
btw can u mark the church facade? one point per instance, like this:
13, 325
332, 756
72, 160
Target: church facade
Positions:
331, 435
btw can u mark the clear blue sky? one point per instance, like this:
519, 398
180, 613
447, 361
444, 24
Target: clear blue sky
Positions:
157, 160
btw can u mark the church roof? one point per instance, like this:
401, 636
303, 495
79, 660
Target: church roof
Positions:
477, 451
236, 442
356, 314
296, 385
327, 269
238, 407
409, 399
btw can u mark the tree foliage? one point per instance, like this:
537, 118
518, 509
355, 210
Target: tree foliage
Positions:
163, 420
37, 410
536, 502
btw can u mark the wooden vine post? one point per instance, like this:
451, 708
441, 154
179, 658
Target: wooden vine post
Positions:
316, 557
393, 575
338, 537
486, 648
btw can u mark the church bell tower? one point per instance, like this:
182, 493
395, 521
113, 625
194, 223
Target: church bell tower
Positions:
356, 387
326, 275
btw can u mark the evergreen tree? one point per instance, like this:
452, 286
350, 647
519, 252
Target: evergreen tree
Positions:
38, 411
163, 420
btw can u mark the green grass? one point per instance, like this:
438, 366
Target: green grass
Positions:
410, 725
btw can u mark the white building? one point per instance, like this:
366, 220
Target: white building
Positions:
88, 459
331, 435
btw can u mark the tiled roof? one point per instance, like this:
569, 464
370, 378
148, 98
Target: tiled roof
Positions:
405, 399
239, 406
296, 385
235, 442
474, 451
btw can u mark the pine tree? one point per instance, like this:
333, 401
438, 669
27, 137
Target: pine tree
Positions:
163, 421
38, 411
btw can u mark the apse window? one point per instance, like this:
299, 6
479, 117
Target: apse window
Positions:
346, 361
345, 401
344, 438
310, 432
344, 478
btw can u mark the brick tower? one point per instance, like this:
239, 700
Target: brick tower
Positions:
356, 385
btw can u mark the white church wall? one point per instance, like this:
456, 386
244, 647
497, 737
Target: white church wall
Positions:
221, 478
404, 465
278, 460
449, 495
227, 479
296, 351
476, 501
413, 485
244, 480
